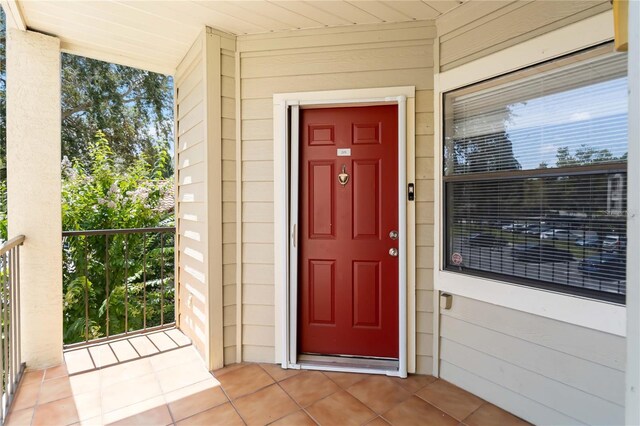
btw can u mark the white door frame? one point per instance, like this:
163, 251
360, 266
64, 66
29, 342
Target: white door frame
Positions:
286, 114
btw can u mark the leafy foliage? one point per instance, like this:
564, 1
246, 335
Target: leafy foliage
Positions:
110, 279
132, 107
585, 155
116, 173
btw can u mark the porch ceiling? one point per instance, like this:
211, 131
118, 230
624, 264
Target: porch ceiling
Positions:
155, 35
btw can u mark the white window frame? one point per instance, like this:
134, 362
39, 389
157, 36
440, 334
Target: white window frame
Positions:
284, 251
594, 314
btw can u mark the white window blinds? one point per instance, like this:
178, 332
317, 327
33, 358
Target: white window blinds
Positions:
535, 177
574, 115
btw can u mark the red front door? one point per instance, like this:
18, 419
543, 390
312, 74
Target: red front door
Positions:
348, 280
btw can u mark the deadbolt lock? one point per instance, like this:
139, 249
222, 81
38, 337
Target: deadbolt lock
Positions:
393, 235
393, 252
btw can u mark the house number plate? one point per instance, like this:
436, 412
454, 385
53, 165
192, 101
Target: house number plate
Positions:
344, 152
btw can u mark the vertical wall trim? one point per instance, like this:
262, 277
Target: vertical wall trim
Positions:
213, 149
238, 95
632, 412
402, 229
437, 204
411, 238
176, 209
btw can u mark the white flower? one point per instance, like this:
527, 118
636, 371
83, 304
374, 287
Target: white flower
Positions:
113, 189
111, 205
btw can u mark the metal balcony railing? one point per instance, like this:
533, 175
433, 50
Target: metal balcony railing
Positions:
12, 365
117, 282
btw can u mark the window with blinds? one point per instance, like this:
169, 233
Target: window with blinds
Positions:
535, 169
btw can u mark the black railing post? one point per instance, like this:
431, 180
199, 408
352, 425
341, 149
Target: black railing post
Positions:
86, 292
144, 280
106, 271
126, 283
161, 279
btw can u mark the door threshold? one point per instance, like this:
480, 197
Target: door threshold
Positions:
347, 364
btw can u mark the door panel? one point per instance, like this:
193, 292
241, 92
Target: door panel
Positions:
366, 199
348, 281
321, 199
322, 280
366, 294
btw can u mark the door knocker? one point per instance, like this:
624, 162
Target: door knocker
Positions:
343, 177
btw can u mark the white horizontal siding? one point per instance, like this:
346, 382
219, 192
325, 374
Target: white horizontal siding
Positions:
328, 59
191, 197
480, 28
545, 371
574, 372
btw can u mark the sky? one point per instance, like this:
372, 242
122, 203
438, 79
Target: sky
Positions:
595, 114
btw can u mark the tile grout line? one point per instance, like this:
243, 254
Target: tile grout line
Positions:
37, 401
154, 345
164, 396
33, 413
171, 338
441, 410
471, 414
114, 353
186, 386
126, 361
134, 348
358, 399
324, 397
296, 402
289, 396
231, 401
154, 373
255, 391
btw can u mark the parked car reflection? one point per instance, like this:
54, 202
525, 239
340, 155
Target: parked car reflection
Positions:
606, 266
482, 239
614, 243
590, 239
540, 253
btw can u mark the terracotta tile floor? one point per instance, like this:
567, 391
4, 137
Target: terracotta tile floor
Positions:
165, 383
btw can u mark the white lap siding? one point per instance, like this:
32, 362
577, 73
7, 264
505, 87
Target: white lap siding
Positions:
546, 371
365, 56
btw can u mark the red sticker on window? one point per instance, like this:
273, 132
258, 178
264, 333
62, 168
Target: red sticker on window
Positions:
456, 259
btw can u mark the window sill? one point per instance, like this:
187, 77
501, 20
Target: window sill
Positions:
594, 314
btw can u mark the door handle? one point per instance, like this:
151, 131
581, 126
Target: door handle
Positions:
393, 252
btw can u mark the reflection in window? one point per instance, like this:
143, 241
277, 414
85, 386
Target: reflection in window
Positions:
535, 176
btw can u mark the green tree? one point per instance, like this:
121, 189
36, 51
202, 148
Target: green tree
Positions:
132, 107
585, 155
109, 194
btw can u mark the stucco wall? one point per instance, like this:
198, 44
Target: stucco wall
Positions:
34, 188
